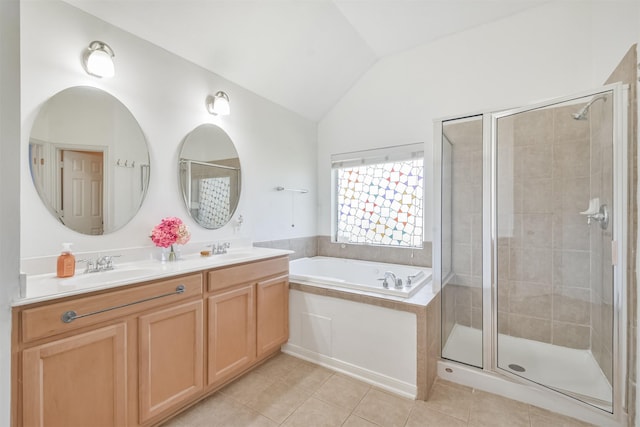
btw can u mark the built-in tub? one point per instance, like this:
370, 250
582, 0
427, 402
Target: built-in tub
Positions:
360, 275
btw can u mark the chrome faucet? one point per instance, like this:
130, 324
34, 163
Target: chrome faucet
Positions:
220, 248
102, 263
389, 276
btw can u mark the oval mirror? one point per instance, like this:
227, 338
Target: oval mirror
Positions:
209, 176
88, 160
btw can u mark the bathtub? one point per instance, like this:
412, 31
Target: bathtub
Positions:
358, 275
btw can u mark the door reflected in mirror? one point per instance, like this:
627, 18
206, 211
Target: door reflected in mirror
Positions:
89, 160
209, 176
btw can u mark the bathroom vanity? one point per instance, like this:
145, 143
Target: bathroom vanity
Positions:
137, 354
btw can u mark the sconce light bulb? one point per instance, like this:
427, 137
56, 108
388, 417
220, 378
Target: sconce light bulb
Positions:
218, 104
98, 60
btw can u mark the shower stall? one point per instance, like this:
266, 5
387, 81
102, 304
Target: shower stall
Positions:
530, 252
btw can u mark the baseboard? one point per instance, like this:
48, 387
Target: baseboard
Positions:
376, 379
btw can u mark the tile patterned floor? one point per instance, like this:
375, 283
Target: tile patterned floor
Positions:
286, 391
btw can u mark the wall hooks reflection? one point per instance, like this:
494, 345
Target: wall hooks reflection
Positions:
126, 163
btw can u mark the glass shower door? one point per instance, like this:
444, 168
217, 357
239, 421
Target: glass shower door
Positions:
552, 237
461, 240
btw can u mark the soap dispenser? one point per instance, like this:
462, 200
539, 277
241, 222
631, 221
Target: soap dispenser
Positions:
66, 262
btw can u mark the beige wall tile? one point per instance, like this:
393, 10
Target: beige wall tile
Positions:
537, 231
536, 161
533, 127
574, 233
530, 328
572, 305
538, 195
531, 265
565, 127
571, 335
571, 269
530, 299
572, 158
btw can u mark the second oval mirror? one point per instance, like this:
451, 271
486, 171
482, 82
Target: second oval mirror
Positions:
209, 176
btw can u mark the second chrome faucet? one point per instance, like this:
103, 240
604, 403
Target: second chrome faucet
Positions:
102, 263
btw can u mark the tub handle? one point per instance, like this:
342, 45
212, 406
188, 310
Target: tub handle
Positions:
397, 282
385, 284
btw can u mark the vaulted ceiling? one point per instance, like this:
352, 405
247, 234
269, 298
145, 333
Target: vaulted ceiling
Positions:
301, 54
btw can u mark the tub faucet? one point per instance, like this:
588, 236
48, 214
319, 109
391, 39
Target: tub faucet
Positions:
389, 276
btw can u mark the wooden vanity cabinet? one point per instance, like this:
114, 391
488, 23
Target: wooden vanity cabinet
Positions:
83, 372
154, 351
170, 357
248, 316
272, 314
77, 381
232, 332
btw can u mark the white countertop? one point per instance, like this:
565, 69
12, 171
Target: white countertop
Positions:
44, 287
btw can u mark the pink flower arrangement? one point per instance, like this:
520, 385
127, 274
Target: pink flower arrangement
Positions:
170, 231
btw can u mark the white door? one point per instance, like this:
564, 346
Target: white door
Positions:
82, 184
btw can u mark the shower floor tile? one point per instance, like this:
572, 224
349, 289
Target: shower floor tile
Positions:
564, 369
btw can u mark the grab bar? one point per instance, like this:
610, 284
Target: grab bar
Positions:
70, 316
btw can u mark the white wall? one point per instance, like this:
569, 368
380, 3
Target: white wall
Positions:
9, 194
323, 330
167, 96
553, 50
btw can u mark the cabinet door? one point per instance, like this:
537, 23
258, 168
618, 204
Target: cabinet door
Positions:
171, 356
77, 381
232, 332
273, 314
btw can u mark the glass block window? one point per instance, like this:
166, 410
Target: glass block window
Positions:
380, 203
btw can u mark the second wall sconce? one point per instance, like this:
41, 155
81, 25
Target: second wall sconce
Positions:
218, 104
98, 60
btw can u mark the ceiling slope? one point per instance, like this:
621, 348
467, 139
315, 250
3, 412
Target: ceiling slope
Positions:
301, 54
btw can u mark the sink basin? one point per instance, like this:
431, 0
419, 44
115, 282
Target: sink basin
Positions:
238, 254
110, 276
49, 284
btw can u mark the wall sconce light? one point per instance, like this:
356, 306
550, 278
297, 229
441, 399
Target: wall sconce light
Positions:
98, 60
218, 104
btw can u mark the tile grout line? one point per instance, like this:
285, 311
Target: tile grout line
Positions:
306, 400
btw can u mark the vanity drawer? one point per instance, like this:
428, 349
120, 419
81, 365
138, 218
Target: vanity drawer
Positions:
48, 320
245, 273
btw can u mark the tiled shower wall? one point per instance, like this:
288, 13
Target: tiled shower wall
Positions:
544, 290
322, 246
547, 293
